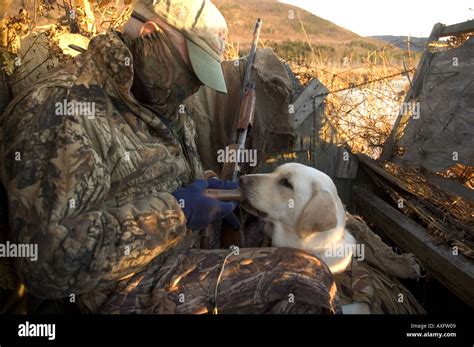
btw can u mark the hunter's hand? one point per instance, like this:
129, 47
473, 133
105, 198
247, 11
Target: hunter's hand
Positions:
201, 210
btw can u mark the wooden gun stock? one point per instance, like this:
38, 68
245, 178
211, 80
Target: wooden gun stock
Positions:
224, 194
247, 110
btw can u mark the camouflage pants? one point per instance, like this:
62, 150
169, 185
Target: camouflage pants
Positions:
257, 280
362, 282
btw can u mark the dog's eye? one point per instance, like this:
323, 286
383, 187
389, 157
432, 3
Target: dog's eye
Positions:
286, 183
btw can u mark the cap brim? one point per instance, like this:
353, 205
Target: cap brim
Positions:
207, 69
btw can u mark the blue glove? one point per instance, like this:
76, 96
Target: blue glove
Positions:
215, 183
200, 210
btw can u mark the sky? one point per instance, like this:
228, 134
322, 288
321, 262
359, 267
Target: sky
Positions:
392, 17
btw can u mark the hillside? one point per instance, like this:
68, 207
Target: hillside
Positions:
282, 24
416, 43
279, 24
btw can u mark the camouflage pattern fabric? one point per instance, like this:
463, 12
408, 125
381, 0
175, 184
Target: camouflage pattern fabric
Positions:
90, 184
374, 280
259, 280
92, 190
379, 254
383, 293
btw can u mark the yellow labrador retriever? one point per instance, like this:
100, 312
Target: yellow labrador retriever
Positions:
302, 209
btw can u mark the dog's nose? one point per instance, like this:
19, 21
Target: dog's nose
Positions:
243, 180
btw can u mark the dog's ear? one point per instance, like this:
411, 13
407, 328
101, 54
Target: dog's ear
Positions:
319, 214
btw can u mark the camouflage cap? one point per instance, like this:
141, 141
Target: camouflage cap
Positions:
205, 30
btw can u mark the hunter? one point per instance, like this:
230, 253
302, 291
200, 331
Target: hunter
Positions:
100, 166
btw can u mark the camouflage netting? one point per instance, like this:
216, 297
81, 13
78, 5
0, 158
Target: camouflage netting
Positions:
374, 280
444, 132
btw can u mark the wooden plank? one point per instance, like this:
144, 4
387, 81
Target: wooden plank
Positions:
325, 158
372, 164
345, 187
387, 152
451, 186
436, 218
306, 103
455, 272
305, 133
329, 158
445, 184
347, 164
460, 28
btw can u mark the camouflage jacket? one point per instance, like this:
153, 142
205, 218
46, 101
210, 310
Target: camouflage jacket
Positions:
88, 171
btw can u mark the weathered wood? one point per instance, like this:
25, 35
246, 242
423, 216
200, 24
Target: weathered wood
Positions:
387, 152
455, 272
433, 216
224, 194
336, 161
456, 29
451, 186
304, 135
345, 187
372, 164
307, 103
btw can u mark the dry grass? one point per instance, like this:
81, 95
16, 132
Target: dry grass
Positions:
364, 113
447, 217
363, 116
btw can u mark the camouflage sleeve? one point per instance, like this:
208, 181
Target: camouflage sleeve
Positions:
56, 181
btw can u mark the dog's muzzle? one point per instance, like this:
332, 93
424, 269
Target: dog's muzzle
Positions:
246, 183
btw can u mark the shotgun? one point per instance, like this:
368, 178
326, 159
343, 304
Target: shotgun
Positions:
245, 113
242, 124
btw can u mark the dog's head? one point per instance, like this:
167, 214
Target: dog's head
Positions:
296, 195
